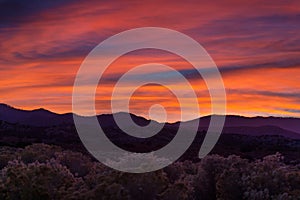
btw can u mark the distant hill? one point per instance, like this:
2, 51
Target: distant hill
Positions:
38, 117
41, 117
287, 127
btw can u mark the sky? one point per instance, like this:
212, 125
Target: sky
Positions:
255, 44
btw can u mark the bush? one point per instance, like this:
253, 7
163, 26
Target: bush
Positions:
7, 154
39, 152
38, 181
42, 171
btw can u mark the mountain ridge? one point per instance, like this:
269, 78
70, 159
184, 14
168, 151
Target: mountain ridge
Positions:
203, 117
288, 126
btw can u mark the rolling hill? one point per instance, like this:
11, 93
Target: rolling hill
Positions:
255, 126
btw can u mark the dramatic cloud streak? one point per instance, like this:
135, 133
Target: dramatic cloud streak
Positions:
255, 45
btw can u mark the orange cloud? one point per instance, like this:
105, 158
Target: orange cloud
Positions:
256, 47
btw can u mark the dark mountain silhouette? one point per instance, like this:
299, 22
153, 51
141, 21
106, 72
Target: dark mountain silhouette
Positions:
38, 117
41, 117
291, 124
251, 138
287, 127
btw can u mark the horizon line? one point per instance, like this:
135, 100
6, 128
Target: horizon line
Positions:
138, 115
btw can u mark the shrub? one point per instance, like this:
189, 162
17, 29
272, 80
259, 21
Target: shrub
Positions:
48, 172
39, 152
37, 181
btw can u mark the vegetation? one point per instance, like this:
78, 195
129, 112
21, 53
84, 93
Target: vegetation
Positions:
42, 171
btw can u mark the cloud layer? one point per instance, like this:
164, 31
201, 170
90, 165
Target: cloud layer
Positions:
255, 45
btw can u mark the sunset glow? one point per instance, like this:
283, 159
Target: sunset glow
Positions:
255, 46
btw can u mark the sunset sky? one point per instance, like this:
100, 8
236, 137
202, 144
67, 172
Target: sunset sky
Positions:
255, 44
